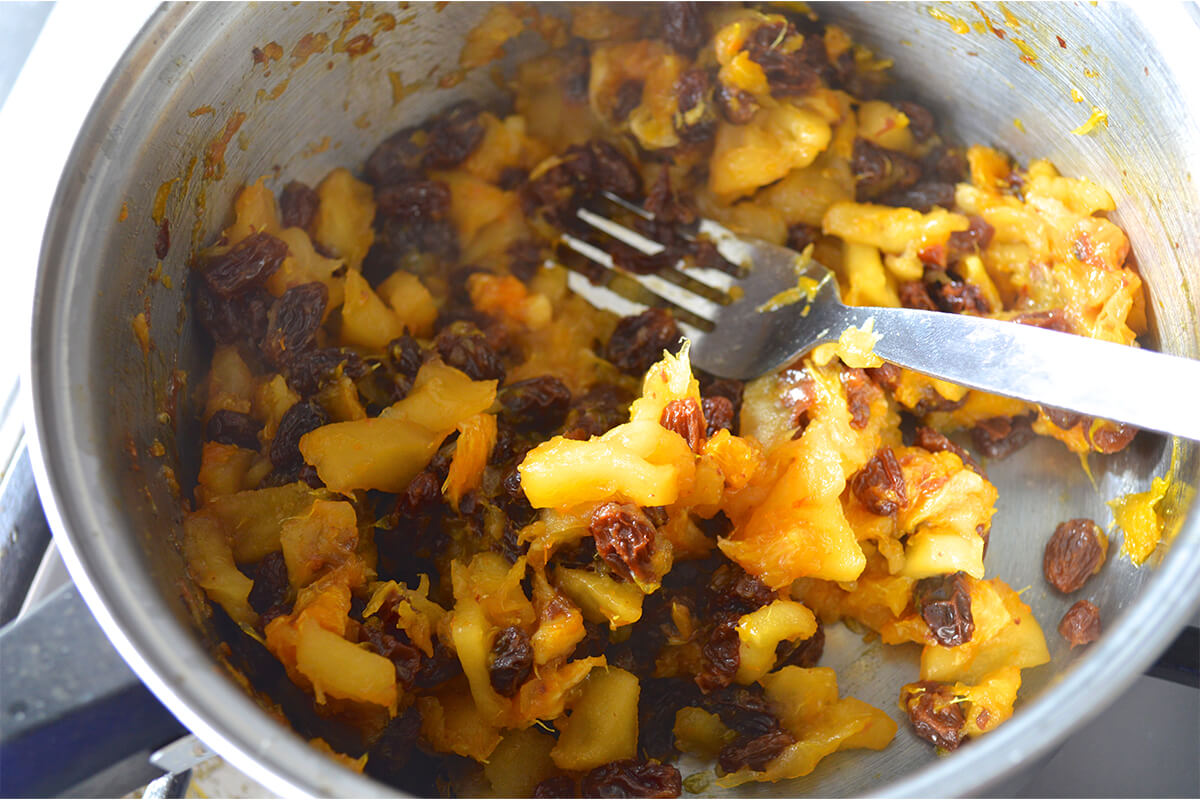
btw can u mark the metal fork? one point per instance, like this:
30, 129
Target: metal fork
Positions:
737, 331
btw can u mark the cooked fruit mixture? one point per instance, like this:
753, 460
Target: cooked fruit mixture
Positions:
462, 528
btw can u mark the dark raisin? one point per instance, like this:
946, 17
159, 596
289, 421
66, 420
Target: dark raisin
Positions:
397, 237
309, 370
576, 73
583, 171
414, 202
754, 753
454, 135
268, 594
685, 418
944, 602
624, 539
879, 485
391, 752
935, 442
795, 72
631, 778
1063, 418
886, 376
438, 668
510, 545
536, 403
639, 341
1055, 319
558, 786
396, 159
696, 118
998, 437
1081, 624
722, 654
718, 415
802, 653
601, 408
298, 205
922, 196
463, 346
1074, 553
405, 355
920, 119
732, 590
233, 427
395, 646
612, 171
510, 661
293, 321
878, 171
737, 106
913, 294
162, 239
741, 708
248, 263
1109, 437
860, 392
297, 421
934, 714
525, 259
421, 493
668, 210
308, 473
629, 97
656, 714
976, 237
845, 74
230, 320
723, 387
947, 165
801, 236
683, 27
955, 296
639, 263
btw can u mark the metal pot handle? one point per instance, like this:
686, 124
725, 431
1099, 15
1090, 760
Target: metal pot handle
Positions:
70, 707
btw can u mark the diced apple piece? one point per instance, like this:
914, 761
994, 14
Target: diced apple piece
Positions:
477, 437
412, 302
366, 320
602, 599
565, 472
340, 669
255, 518
376, 453
344, 218
324, 536
603, 725
223, 470
761, 631
210, 561
520, 762
451, 723
442, 397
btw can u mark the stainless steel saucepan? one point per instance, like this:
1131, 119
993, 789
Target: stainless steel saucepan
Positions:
212, 96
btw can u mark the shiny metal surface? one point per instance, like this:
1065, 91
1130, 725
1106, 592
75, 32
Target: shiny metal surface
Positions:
753, 333
96, 396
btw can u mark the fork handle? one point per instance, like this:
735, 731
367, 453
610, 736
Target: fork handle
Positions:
1102, 379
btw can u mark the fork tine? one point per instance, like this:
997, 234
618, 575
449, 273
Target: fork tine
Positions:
703, 280
702, 307
609, 300
631, 238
